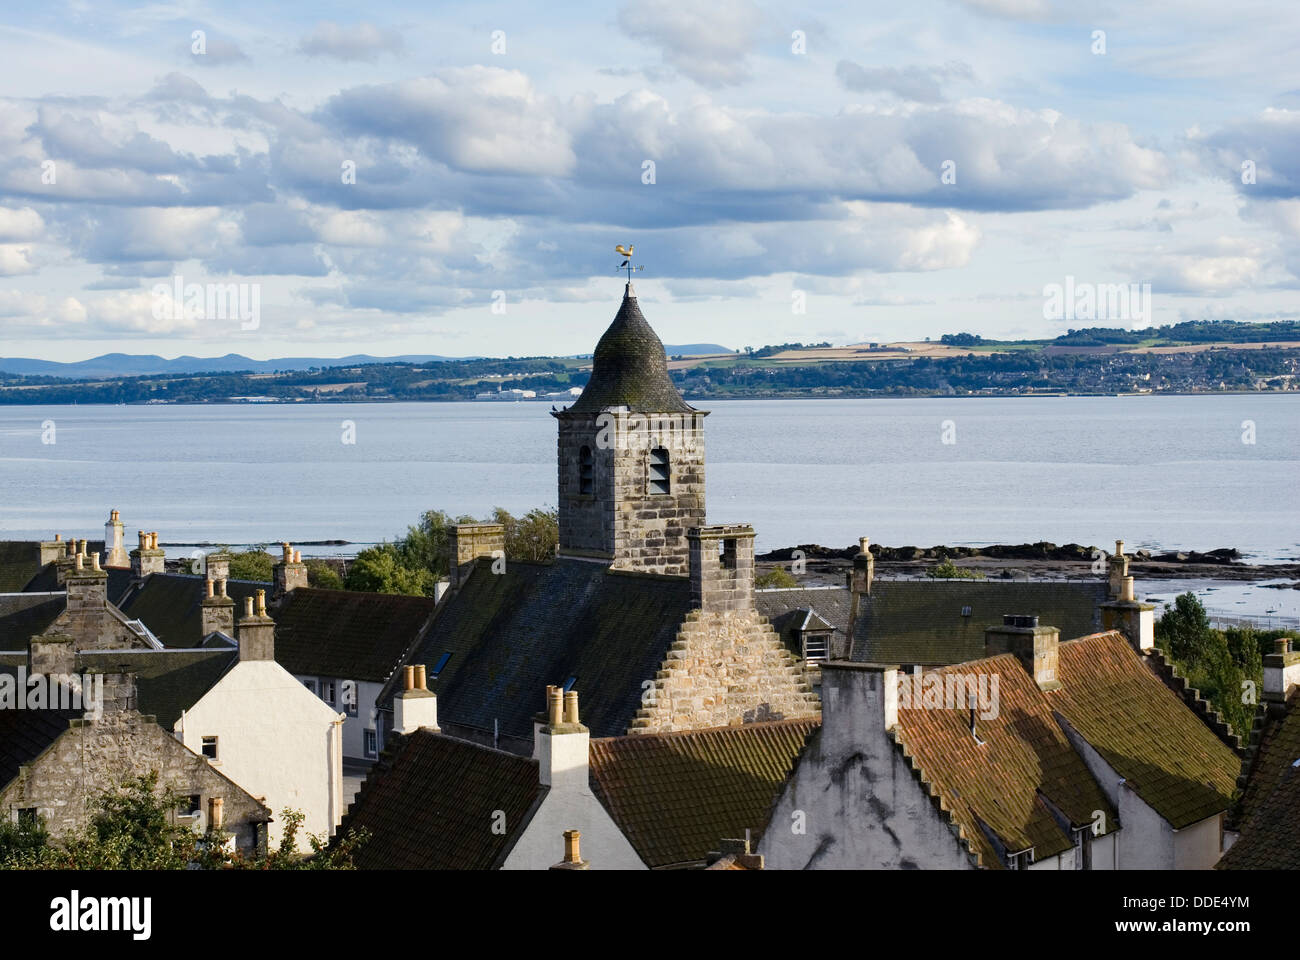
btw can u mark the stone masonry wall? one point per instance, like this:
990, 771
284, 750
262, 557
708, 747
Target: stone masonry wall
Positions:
622, 519
725, 669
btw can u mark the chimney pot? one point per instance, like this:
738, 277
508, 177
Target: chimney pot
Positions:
221, 587
555, 706
1283, 644
572, 850
1126, 590
248, 606
94, 561
408, 678
58, 537
261, 603
864, 544
80, 557
211, 590
215, 813
420, 681
571, 707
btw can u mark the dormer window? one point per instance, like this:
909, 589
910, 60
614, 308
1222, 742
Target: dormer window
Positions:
660, 472
585, 472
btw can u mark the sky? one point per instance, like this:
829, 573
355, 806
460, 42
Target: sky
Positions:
452, 178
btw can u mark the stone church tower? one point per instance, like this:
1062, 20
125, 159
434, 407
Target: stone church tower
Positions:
631, 456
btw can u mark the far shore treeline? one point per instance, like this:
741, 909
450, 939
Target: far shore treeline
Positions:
1220, 356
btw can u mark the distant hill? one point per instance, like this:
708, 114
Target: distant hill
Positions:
135, 365
694, 349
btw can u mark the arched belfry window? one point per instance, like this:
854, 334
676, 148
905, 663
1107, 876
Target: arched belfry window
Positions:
660, 472
585, 472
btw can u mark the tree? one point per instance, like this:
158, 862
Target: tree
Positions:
947, 570
381, 570
252, 564
534, 536
1184, 630
322, 576
777, 577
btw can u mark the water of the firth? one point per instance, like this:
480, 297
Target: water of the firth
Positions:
1169, 472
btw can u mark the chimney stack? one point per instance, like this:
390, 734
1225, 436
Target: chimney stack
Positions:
147, 559
1118, 570
416, 707
1036, 647
1135, 620
860, 578
86, 584
216, 566
722, 568
256, 631
217, 611
119, 693
1281, 672
572, 854
469, 541
561, 742
114, 544
290, 573
52, 551
216, 813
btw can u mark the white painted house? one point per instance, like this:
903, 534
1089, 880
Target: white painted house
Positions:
264, 730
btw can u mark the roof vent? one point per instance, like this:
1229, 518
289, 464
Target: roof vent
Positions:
1016, 620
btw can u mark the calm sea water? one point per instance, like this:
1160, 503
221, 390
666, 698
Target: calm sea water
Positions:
1167, 472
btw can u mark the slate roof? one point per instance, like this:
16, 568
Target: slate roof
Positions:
20, 560
431, 801
676, 795
340, 633
168, 681
1000, 786
120, 581
787, 609
169, 605
511, 634
1268, 813
24, 615
921, 622
1174, 762
629, 369
25, 735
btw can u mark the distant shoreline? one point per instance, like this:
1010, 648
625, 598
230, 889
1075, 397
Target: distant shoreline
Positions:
689, 399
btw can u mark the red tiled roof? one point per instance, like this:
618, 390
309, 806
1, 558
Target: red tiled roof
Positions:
1143, 730
999, 785
676, 795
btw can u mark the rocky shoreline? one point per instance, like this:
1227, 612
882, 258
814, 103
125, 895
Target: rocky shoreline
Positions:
1039, 561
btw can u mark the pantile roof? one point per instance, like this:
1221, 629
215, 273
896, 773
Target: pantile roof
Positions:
676, 795
432, 801
1175, 763
1268, 814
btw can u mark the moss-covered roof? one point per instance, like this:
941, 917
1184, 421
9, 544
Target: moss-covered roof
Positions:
1269, 810
170, 605
511, 634
345, 634
629, 368
676, 795
19, 562
997, 784
1174, 762
431, 803
939, 622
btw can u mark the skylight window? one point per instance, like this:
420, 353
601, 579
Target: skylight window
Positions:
442, 662
568, 684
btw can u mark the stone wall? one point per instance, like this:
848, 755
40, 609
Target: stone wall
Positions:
468, 541
89, 619
623, 518
93, 756
724, 669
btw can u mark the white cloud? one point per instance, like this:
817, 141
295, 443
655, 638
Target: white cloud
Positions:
355, 41
708, 42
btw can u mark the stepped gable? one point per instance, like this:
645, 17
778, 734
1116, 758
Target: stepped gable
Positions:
1012, 783
629, 368
1269, 808
725, 667
1143, 730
